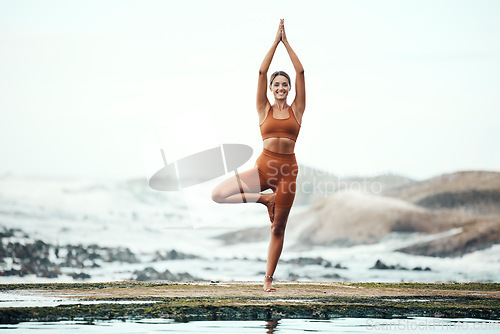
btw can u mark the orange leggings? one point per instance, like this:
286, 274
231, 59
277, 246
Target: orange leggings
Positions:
278, 171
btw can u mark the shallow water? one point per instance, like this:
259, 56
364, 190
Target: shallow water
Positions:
33, 298
278, 326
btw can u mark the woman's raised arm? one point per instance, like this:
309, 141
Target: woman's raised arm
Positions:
262, 100
300, 86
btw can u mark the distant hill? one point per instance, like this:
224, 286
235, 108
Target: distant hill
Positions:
314, 184
475, 192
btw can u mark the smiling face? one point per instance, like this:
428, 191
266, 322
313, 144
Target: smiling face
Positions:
280, 87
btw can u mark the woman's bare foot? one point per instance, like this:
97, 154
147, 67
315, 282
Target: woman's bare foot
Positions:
269, 203
268, 284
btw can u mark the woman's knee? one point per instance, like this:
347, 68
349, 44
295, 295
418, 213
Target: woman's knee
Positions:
280, 220
278, 229
217, 195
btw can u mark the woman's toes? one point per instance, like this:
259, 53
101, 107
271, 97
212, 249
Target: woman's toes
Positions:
268, 287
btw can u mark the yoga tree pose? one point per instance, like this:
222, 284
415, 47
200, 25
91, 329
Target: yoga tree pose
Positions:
276, 167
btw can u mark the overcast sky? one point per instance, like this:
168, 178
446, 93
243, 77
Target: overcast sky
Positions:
408, 87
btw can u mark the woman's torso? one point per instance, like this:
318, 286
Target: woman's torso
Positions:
288, 118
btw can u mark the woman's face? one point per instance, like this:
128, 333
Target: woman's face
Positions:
280, 87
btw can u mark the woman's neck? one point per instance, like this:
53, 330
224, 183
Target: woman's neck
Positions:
281, 105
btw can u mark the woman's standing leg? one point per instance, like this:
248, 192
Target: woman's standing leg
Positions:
285, 195
275, 244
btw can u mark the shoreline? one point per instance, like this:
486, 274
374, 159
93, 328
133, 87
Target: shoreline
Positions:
205, 300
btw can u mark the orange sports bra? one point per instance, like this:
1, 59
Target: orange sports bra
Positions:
280, 127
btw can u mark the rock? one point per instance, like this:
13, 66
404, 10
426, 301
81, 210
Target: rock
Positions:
351, 218
151, 274
473, 201
173, 255
120, 254
332, 276
420, 269
33, 257
304, 261
246, 235
476, 192
346, 219
79, 275
381, 265
475, 235
294, 277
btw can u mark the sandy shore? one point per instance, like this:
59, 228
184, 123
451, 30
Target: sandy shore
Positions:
246, 300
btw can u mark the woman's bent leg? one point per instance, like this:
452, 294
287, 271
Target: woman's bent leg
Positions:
245, 187
232, 189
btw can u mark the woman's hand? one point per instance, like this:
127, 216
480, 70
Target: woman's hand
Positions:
283, 35
279, 34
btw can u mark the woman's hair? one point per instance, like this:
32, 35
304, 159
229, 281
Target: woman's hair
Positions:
275, 74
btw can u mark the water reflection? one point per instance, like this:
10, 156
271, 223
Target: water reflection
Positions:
275, 326
271, 325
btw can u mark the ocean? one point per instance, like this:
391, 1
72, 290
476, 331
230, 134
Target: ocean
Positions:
129, 218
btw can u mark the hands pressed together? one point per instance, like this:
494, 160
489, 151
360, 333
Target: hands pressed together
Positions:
280, 35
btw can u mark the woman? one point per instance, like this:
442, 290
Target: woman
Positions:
276, 168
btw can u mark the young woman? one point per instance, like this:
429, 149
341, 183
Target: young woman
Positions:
276, 167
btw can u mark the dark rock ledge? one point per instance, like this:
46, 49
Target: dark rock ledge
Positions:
248, 302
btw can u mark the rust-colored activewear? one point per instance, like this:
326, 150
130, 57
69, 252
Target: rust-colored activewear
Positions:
280, 127
278, 171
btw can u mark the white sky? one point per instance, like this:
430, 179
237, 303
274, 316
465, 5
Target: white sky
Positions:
410, 87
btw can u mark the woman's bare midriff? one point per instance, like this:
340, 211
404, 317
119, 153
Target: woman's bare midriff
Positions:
279, 145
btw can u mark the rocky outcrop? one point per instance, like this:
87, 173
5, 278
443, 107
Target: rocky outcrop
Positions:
22, 256
173, 255
468, 200
382, 266
306, 261
475, 235
474, 192
253, 234
350, 218
38, 258
151, 274
353, 218
480, 202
